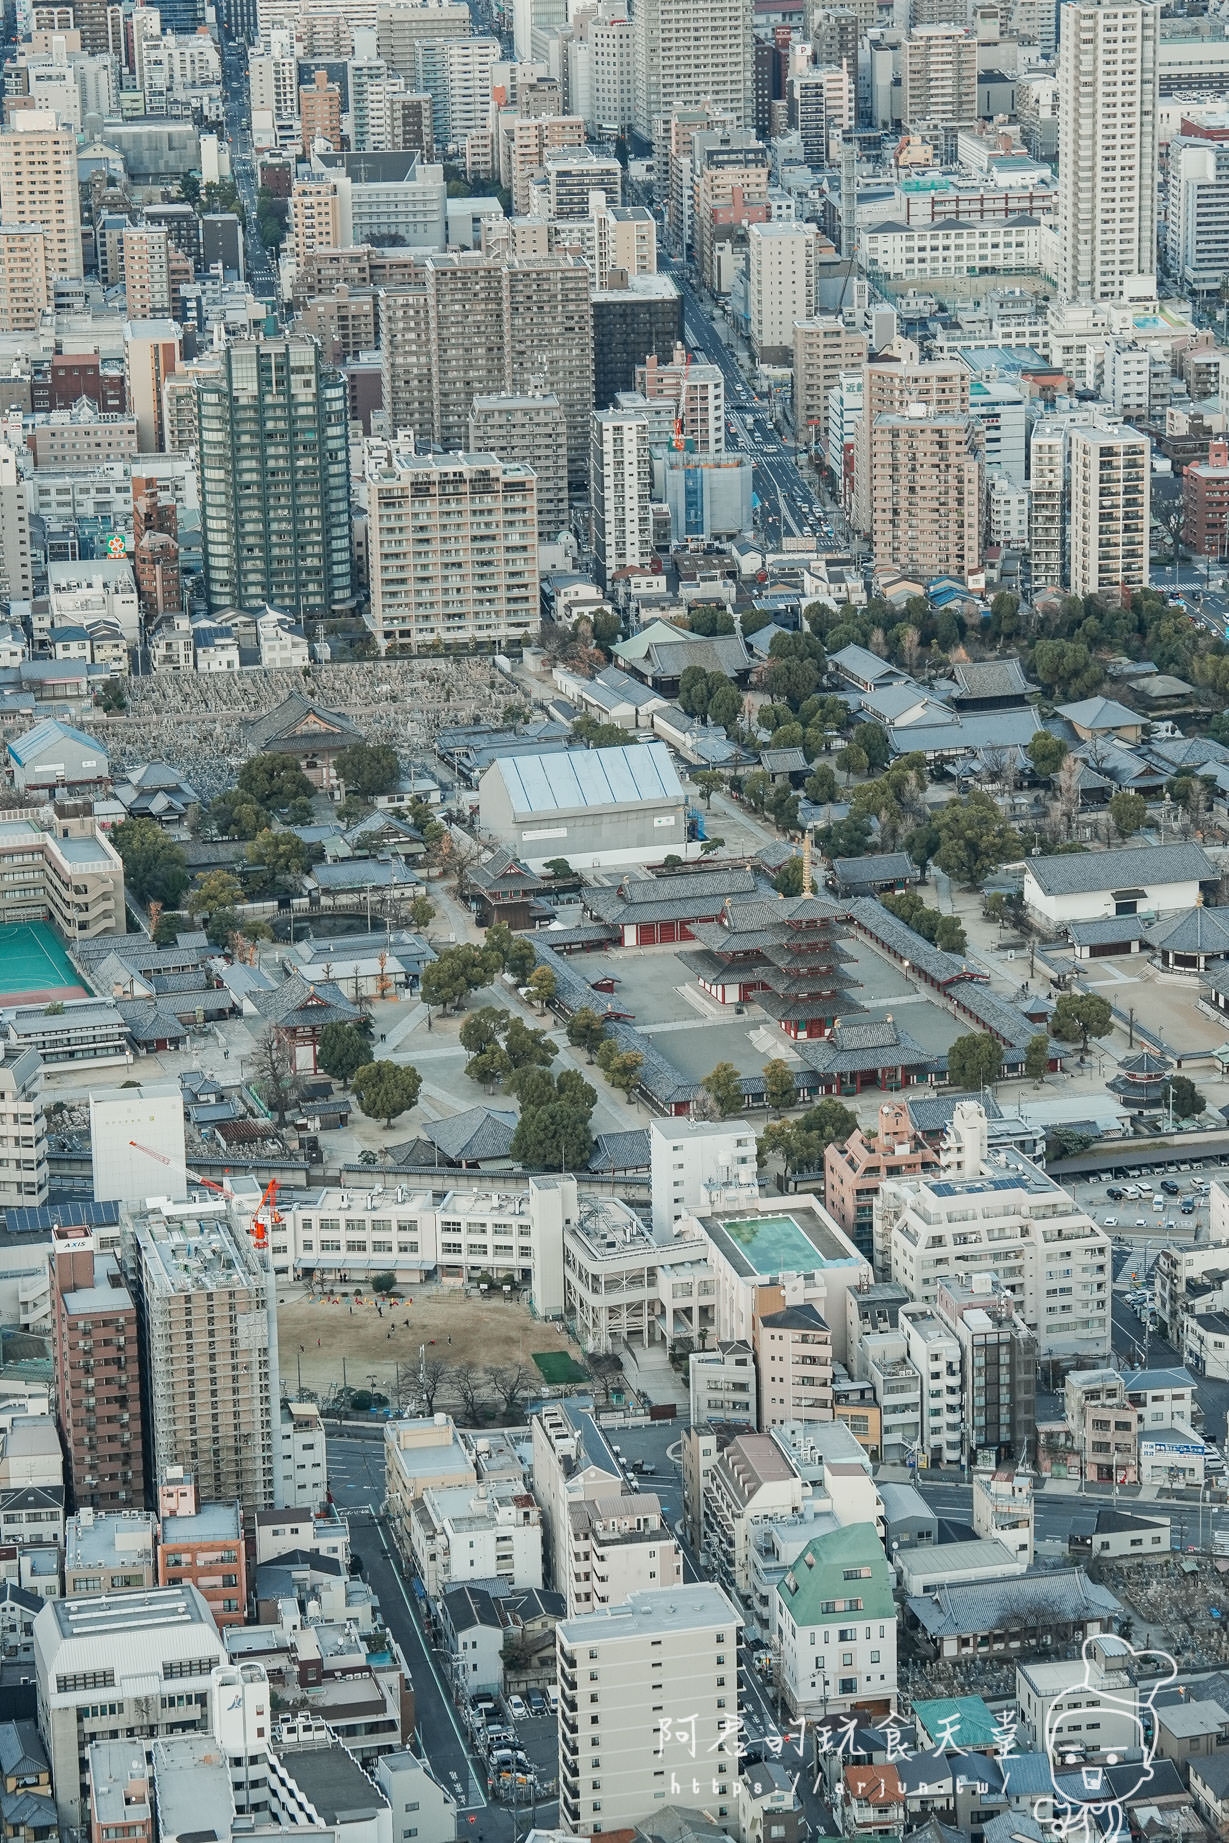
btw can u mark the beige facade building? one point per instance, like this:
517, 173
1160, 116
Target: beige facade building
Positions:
620, 485
76, 881
891, 386
151, 354
685, 52
793, 1361
616, 1546
781, 264
38, 186
730, 180
1110, 510
926, 494
453, 543
673, 1652
25, 287
696, 390
533, 431
207, 1311
939, 77
315, 217
1047, 504
23, 1131
823, 347
146, 259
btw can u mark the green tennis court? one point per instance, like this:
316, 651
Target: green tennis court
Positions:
557, 1366
34, 964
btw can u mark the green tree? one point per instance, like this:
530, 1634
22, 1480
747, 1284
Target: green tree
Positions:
221, 927
384, 1283
586, 1031
820, 785
597, 735
273, 781
1047, 754
1080, 1015
1188, 1102
724, 1089
368, 769
757, 790
279, 858
386, 1089
421, 912
950, 936
779, 1088
482, 1028
829, 1121
975, 1061
217, 889
342, 1051
1037, 1057
622, 1070
852, 760
555, 1137
709, 783
170, 925
525, 1047
1129, 812
541, 987
455, 973
235, 814
788, 880
155, 867
974, 839
489, 1066
725, 706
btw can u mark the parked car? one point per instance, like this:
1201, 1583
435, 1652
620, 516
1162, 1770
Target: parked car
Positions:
1109, 1222
1114, 1193
1188, 1206
1170, 1188
1141, 1222
1145, 1190
537, 1702
517, 1708
552, 1697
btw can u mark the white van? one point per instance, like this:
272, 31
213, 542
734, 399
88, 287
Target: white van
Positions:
1132, 1193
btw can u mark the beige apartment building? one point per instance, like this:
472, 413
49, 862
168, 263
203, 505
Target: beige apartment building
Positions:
691, 52
453, 547
146, 259
38, 186
1047, 504
697, 391
151, 355
1110, 510
926, 493
532, 430
208, 1325
315, 217
25, 287
939, 77
616, 1546
891, 386
648, 1693
730, 180
781, 283
77, 882
525, 142
823, 347
793, 1361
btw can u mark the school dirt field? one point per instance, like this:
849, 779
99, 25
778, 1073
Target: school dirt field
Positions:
326, 1345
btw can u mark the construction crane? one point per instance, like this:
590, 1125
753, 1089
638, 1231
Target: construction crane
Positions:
266, 1214
680, 440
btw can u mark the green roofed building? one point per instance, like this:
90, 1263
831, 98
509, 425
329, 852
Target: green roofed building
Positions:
837, 1622
965, 1718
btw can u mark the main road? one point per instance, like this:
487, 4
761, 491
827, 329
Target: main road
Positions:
260, 271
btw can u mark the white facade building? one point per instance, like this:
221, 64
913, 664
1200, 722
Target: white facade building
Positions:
695, 1166
1107, 134
781, 283
152, 1115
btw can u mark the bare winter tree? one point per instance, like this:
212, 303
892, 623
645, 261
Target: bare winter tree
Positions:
427, 1381
465, 1380
273, 1070
510, 1385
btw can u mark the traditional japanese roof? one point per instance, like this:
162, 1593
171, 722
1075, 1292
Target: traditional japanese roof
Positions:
992, 678
1100, 714
470, 1137
1129, 866
864, 1045
1200, 930
298, 1003
1145, 1066
1105, 929
1058, 1596
503, 871
626, 1151
299, 726
880, 867
669, 898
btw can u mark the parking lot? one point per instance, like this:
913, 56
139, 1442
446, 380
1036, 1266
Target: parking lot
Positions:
517, 1739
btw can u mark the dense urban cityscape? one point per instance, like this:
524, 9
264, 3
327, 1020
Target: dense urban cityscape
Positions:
614, 921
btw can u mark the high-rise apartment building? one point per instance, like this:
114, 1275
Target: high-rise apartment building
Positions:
939, 77
453, 547
892, 387
926, 493
1107, 139
25, 288
647, 1691
781, 283
315, 217
320, 112
98, 1373
1047, 504
1197, 205
533, 430
471, 325
730, 181
16, 562
38, 186
685, 52
1110, 510
146, 260
824, 347
151, 356
208, 1318
620, 484
275, 483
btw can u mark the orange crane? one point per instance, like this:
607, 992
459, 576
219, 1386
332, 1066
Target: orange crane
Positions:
267, 1212
680, 440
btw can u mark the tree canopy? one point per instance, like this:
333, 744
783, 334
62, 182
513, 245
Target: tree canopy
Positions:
386, 1089
155, 867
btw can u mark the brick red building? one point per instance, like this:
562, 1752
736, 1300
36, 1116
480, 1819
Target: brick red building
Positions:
1205, 503
98, 1373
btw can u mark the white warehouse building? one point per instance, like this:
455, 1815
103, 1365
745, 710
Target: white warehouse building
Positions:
591, 806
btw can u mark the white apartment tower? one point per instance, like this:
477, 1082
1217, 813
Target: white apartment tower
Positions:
16, 563
1107, 139
23, 1131
1110, 509
781, 284
633, 1680
38, 186
690, 52
619, 487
